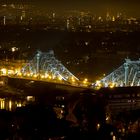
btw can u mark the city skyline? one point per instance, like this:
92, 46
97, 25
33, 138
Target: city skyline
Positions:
100, 7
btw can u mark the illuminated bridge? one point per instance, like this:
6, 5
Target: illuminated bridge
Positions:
127, 74
45, 67
42, 67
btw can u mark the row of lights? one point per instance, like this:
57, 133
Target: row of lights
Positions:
40, 76
98, 85
6, 72
11, 104
3, 104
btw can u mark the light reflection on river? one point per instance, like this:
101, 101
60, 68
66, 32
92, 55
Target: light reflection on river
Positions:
10, 104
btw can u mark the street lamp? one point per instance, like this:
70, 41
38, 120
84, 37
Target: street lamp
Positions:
13, 49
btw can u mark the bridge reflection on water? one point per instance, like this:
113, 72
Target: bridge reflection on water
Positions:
12, 103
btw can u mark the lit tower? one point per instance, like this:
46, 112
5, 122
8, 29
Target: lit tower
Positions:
126, 67
37, 64
4, 20
68, 24
108, 16
53, 17
113, 18
23, 15
118, 15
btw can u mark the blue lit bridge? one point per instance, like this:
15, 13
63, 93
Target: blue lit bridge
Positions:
45, 67
42, 67
128, 74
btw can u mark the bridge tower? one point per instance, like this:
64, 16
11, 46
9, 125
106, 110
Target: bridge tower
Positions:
127, 74
126, 67
37, 63
44, 64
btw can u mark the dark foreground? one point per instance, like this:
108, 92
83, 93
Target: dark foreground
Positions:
85, 119
49, 111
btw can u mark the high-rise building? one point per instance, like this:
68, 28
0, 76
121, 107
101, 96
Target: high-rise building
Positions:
68, 24
23, 15
4, 20
108, 17
113, 18
53, 17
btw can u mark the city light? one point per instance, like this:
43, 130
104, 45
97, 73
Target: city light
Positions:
19, 74
60, 78
28, 74
13, 49
10, 72
30, 98
4, 71
19, 104
112, 85
17, 70
50, 77
2, 103
98, 83
42, 76
107, 118
73, 80
46, 75
98, 126
114, 138
10, 105
35, 76
85, 81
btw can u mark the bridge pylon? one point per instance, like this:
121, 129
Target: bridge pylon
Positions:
45, 65
128, 74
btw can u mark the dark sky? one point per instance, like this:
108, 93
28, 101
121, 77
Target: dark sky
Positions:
130, 7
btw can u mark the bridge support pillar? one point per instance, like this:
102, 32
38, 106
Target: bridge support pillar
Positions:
126, 67
37, 64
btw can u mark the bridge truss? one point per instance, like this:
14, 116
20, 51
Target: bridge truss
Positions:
127, 74
45, 65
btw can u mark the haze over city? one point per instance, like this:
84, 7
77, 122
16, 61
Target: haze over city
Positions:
129, 7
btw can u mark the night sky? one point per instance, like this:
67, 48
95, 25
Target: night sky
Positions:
130, 7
